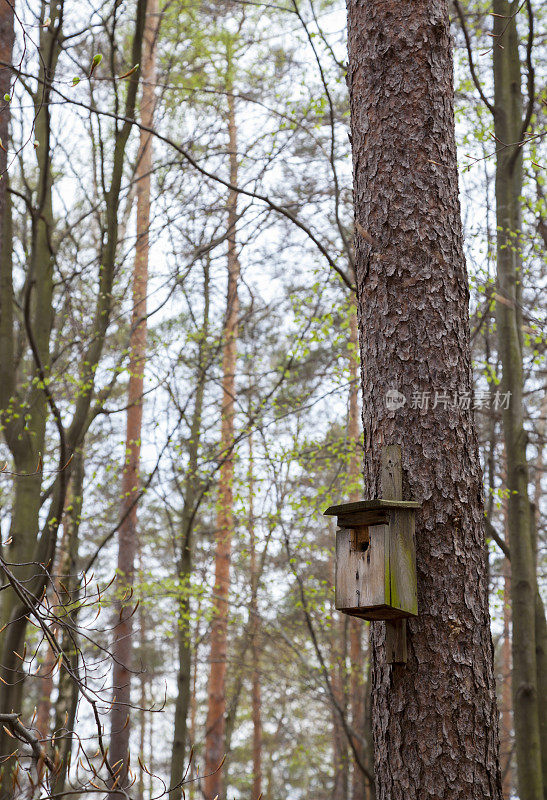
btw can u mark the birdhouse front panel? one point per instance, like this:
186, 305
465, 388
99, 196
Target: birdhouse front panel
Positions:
361, 568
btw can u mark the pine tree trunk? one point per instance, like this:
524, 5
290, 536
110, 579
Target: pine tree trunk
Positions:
127, 536
435, 718
215, 726
508, 115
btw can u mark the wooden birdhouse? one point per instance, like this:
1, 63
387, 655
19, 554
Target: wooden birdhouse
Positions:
376, 559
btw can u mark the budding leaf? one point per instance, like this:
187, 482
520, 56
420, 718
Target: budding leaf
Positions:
95, 63
7, 97
75, 80
130, 72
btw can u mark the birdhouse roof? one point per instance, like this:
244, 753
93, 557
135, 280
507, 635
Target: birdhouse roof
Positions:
370, 505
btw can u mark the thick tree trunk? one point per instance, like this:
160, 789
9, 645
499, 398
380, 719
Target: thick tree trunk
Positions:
215, 726
508, 117
434, 718
190, 505
127, 536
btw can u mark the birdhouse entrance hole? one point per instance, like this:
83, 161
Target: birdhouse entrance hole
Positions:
360, 539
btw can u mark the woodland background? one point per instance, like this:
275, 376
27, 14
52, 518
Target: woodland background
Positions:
134, 282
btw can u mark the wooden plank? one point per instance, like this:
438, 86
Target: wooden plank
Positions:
402, 563
369, 505
392, 473
396, 651
392, 489
362, 518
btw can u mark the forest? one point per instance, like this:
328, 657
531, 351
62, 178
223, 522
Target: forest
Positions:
262, 260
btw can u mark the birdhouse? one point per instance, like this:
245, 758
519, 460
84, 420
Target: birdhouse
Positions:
376, 559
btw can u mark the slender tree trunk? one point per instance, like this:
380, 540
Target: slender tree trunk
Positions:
508, 115
142, 700
193, 714
190, 504
67, 690
434, 718
214, 736
256, 699
26, 439
338, 680
506, 715
6, 49
43, 707
127, 537
541, 625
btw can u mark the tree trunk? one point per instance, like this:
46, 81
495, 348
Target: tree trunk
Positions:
6, 293
506, 715
24, 426
256, 699
190, 505
541, 625
435, 718
338, 681
43, 707
214, 736
508, 115
127, 535
67, 694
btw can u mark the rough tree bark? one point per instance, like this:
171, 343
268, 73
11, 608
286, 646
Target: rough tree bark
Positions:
214, 737
434, 719
120, 728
